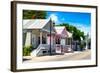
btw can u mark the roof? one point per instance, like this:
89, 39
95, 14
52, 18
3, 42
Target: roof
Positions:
59, 29
69, 34
34, 23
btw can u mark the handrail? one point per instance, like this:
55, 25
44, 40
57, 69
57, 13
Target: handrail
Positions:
40, 47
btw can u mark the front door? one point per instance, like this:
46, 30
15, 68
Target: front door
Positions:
62, 41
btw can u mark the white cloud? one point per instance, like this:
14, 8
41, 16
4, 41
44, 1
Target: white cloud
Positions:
54, 17
84, 28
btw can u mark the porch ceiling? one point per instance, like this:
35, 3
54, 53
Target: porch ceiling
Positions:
47, 31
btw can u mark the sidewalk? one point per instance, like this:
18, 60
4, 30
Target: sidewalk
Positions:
67, 56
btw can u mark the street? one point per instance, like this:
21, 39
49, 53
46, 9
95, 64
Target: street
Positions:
78, 55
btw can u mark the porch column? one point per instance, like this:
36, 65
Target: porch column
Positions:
70, 42
46, 38
40, 37
54, 39
28, 39
60, 44
67, 41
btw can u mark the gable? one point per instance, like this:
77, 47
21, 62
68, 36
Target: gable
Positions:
64, 32
48, 25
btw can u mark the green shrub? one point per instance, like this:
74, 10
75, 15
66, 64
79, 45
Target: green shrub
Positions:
81, 46
27, 50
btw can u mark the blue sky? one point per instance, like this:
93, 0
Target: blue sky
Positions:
81, 20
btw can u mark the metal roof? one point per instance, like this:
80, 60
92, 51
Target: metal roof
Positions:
59, 30
34, 23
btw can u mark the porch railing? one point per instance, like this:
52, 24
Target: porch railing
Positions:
40, 49
63, 48
46, 47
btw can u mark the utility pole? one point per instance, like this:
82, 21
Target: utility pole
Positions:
50, 37
72, 41
87, 41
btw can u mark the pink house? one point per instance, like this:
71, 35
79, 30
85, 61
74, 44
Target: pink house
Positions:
63, 40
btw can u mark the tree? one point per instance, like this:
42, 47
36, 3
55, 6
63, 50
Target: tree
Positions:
31, 14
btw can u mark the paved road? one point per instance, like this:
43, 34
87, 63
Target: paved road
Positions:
67, 56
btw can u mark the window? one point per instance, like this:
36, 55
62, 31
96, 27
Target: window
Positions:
43, 40
57, 41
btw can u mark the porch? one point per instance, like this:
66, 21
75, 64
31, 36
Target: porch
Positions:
64, 45
43, 43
